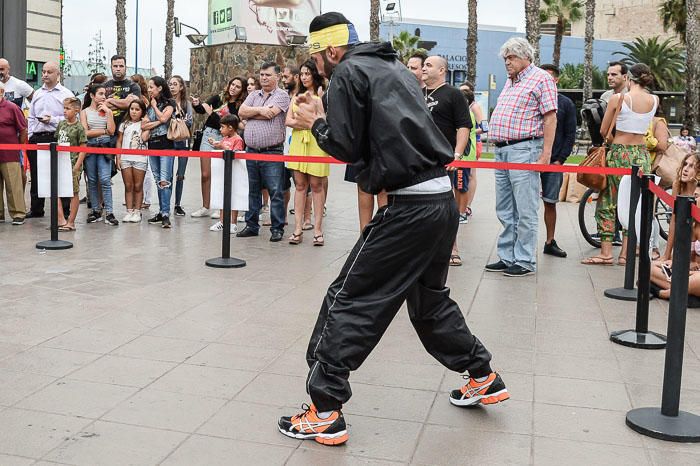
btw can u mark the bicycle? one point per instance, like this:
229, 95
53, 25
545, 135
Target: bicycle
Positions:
587, 224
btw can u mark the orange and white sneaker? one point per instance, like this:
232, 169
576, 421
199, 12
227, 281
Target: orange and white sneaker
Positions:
307, 425
490, 391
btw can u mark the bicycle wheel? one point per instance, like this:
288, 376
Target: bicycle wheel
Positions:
662, 214
586, 218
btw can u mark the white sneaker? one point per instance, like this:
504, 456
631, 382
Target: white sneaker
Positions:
215, 215
136, 217
127, 217
241, 218
201, 212
219, 226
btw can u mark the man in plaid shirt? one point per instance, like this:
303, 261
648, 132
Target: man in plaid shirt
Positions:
523, 126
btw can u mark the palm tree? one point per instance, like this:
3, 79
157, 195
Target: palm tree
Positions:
665, 59
472, 39
406, 44
374, 20
673, 15
564, 12
588, 53
572, 76
532, 26
120, 13
169, 32
692, 42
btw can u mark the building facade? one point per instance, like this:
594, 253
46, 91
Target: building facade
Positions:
625, 20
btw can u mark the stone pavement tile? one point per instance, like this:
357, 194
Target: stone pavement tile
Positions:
77, 398
165, 410
376, 438
188, 329
598, 348
584, 425
33, 434
276, 390
15, 386
106, 443
29, 332
393, 348
260, 336
293, 362
452, 446
7, 460
511, 360
593, 330
400, 375
520, 386
659, 448
118, 370
569, 310
494, 322
644, 358
234, 357
282, 320
643, 396
512, 416
132, 320
676, 458
209, 451
207, 381
251, 422
389, 402
577, 367
580, 392
555, 452
160, 349
304, 457
47, 361
632, 372
513, 340
89, 340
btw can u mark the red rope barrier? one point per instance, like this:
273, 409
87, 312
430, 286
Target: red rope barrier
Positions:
662, 194
695, 212
319, 159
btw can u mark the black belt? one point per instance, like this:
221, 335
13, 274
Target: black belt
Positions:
276, 147
512, 142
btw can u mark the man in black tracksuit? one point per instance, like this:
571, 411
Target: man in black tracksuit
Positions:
376, 114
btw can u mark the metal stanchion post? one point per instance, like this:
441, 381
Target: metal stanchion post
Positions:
641, 337
669, 423
54, 243
628, 292
226, 261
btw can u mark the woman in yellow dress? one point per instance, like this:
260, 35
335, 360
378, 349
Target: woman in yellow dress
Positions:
314, 175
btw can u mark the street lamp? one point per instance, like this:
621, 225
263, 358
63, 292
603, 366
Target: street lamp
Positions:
196, 39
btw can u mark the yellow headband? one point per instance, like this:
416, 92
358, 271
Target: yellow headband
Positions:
334, 36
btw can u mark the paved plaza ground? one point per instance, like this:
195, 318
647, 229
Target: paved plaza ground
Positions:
126, 349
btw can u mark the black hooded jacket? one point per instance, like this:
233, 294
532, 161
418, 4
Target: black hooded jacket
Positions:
376, 117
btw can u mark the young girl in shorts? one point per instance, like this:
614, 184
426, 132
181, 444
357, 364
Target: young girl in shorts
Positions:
133, 167
231, 141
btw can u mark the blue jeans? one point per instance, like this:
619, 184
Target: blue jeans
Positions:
180, 174
162, 168
517, 202
99, 170
268, 175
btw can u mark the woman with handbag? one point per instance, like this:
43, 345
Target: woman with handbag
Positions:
634, 111
216, 107
656, 139
183, 119
157, 123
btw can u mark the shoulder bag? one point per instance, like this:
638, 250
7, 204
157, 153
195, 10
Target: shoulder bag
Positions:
668, 163
178, 130
596, 157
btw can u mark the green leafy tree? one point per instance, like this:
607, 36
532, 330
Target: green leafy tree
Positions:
572, 76
406, 44
665, 59
673, 14
564, 12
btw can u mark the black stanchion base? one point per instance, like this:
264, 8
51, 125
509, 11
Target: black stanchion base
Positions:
54, 245
225, 263
650, 422
634, 339
623, 294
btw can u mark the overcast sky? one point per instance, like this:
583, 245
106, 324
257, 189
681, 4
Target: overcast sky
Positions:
82, 20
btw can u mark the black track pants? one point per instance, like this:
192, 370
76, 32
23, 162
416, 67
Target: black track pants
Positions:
402, 255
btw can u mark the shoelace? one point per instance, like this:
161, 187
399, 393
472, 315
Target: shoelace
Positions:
306, 408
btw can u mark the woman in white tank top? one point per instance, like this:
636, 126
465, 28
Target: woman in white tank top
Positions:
628, 148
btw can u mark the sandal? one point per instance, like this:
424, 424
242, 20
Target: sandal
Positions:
308, 226
455, 260
597, 260
296, 238
318, 240
621, 260
66, 228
